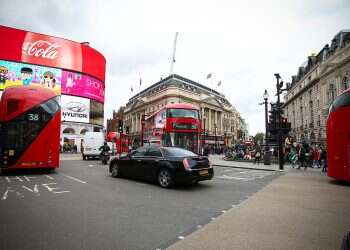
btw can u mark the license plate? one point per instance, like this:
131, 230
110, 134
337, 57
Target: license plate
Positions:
203, 172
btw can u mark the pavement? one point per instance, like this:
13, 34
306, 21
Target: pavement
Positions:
299, 210
218, 160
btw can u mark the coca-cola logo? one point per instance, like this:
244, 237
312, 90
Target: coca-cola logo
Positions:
41, 48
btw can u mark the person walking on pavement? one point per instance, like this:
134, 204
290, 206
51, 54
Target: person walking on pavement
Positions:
257, 156
323, 158
302, 157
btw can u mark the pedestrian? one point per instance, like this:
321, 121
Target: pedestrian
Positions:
302, 157
323, 158
75, 148
257, 156
316, 157
206, 150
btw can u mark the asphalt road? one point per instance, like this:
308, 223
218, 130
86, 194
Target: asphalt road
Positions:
81, 206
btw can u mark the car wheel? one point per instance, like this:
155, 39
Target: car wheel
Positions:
165, 178
115, 170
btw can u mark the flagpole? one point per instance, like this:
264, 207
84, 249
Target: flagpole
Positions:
173, 58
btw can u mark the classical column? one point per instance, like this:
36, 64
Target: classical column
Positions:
209, 119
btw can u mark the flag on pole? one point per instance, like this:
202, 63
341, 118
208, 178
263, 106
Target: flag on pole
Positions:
209, 75
140, 81
219, 83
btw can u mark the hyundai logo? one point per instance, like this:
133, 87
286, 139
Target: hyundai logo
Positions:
76, 107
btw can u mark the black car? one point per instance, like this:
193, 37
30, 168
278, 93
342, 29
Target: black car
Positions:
166, 165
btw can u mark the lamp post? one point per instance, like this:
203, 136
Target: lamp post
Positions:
267, 157
279, 86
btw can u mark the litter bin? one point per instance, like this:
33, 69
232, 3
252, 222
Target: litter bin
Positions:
267, 157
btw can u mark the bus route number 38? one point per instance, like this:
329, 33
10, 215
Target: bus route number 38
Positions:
33, 117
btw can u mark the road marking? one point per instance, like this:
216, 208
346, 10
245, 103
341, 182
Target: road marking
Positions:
74, 179
91, 166
35, 190
4, 197
213, 218
223, 211
181, 237
199, 226
48, 176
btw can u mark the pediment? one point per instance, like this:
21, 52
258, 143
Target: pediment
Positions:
213, 101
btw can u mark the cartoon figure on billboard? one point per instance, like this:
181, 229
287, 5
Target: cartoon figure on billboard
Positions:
48, 80
26, 75
3, 72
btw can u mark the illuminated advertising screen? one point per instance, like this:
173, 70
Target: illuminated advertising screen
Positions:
75, 109
82, 85
96, 113
13, 73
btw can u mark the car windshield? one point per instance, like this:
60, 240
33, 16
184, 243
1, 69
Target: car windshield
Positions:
177, 152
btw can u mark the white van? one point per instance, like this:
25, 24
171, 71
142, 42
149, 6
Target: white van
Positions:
92, 143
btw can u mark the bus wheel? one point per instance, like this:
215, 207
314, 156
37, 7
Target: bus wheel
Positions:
115, 170
165, 178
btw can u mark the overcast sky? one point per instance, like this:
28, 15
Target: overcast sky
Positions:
242, 43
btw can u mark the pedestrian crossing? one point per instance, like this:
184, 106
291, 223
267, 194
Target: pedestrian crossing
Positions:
231, 174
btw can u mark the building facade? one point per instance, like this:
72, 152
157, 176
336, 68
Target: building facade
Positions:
219, 116
75, 71
313, 89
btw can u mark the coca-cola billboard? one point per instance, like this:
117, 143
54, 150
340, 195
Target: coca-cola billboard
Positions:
41, 48
51, 51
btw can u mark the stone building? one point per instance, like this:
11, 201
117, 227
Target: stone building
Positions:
113, 123
216, 110
319, 80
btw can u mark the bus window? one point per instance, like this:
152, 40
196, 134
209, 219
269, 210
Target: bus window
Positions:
184, 113
342, 101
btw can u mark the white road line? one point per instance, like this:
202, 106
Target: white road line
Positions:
48, 176
74, 179
181, 237
4, 197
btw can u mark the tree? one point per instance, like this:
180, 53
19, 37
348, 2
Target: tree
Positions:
259, 138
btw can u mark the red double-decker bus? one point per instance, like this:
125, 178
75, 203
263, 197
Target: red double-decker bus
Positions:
120, 141
175, 125
338, 138
30, 120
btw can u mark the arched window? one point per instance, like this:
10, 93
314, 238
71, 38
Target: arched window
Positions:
68, 131
83, 131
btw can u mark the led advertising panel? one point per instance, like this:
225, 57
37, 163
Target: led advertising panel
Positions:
82, 85
75, 109
13, 73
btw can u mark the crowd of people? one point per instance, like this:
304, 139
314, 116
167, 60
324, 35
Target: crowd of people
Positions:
299, 155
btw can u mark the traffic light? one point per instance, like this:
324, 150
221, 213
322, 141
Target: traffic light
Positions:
120, 126
285, 125
127, 130
273, 119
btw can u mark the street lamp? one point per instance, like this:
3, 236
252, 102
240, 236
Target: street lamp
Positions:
267, 158
279, 86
